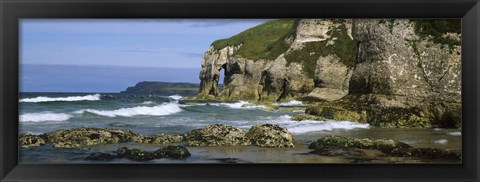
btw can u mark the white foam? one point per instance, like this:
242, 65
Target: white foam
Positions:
437, 129
441, 141
160, 110
239, 105
290, 103
148, 102
44, 116
300, 127
456, 133
175, 97
94, 97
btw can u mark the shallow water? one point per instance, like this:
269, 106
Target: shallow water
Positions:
151, 114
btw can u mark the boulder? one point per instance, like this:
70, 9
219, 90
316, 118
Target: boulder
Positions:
27, 140
174, 152
216, 135
270, 135
137, 154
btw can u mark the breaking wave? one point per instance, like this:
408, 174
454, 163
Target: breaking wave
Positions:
239, 105
44, 116
300, 127
160, 110
94, 97
290, 103
175, 97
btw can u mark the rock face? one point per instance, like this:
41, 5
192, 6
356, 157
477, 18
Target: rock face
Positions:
80, 137
216, 135
270, 135
411, 68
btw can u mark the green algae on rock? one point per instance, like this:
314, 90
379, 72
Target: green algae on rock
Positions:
387, 146
173, 152
27, 140
159, 139
80, 137
216, 135
270, 135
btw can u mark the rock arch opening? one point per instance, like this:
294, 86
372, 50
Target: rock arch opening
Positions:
221, 79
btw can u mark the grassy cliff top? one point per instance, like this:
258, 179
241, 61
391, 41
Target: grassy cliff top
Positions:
265, 41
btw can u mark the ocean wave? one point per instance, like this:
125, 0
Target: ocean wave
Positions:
175, 97
290, 103
160, 110
44, 116
148, 102
300, 127
239, 105
94, 97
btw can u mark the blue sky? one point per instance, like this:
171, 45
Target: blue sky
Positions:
63, 54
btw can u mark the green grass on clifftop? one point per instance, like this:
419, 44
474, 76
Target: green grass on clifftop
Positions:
437, 28
265, 41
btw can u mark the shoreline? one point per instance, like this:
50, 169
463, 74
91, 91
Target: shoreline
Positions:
300, 153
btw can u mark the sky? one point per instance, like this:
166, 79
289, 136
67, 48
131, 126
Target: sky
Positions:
108, 55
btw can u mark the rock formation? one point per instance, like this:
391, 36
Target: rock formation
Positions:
407, 69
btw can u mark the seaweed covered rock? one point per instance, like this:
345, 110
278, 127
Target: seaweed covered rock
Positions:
387, 146
270, 135
335, 113
172, 152
137, 154
392, 111
338, 151
216, 135
159, 139
27, 140
175, 152
79, 137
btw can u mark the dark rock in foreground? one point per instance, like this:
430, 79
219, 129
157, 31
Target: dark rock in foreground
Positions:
137, 154
26, 140
172, 152
99, 156
80, 137
387, 146
338, 151
216, 135
270, 135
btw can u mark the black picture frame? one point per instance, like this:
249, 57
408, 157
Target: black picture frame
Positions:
12, 10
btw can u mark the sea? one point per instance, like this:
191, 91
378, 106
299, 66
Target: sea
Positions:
149, 114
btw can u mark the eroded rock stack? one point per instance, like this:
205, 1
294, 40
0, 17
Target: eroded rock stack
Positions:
388, 72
